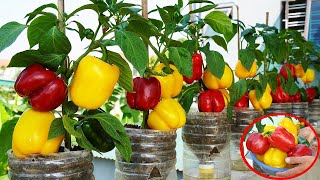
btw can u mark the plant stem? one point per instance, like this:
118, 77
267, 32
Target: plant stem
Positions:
67, 138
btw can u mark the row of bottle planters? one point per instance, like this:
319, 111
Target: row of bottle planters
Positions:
210, 150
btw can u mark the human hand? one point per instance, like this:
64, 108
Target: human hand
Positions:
307, 133
302, 163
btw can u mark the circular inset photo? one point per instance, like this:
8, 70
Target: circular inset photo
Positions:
279, 146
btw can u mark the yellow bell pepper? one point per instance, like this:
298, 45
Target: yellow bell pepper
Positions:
168, 114
288, 124
213, 82
308, 76
226, 96
171, 84
299, 70
260, 157
275, 158
93, 82
299, 125
242, 72
263, 103
30, 135
268, 128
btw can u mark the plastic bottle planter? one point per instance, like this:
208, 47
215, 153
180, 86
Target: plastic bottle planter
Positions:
243, 119
153, 156
280, 108
314, 114
300, 109
206, 147
71, 165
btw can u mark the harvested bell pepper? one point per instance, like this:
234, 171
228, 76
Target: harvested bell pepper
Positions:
171, 84
30, 135
93, 82
260, 157
299, 70
268, 128
308, 77
275, 158
211, 101
311, 94
212, 82
45, 90
242, 72
300, 150
226, 96
287, 68
94, 132
263, 103
280, 96
196, 68
282, 139
168, 114
289, 125
257, 143
146, 95
243, 102
295, 98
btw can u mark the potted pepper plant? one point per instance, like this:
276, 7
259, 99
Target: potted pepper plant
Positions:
81, 86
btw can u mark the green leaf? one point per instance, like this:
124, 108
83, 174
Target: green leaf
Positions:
228, 36
189, 45
203, 9
83, 141
9, 33
302, 140
164, 15
215, 63
237, 90
69, 108
260, 127
69, 126
87, 6
6, 142
219, 22
180, 3
220, 41
157, 23
56, 129
199, 1
125, 79
134, 49
4, 116
28, 57
188, 94
259, 56
40, 26
115, 129
181, 58
80, 30
142, 26
247, 56
39, 11
54, 42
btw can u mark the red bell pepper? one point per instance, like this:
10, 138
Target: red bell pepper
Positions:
311, 94
282, 139
211, 101
45, 90
146, 95
196, 69
257, 143
243, 102
295, 98
285, 68
280, 96
300, 150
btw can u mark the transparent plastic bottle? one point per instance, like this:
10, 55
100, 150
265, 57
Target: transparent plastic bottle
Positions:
280, 108
300, 109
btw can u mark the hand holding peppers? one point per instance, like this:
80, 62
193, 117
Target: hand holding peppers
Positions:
300, 150
211, 101
146, 93
30, 135
44, 89
196, 69
168, 114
